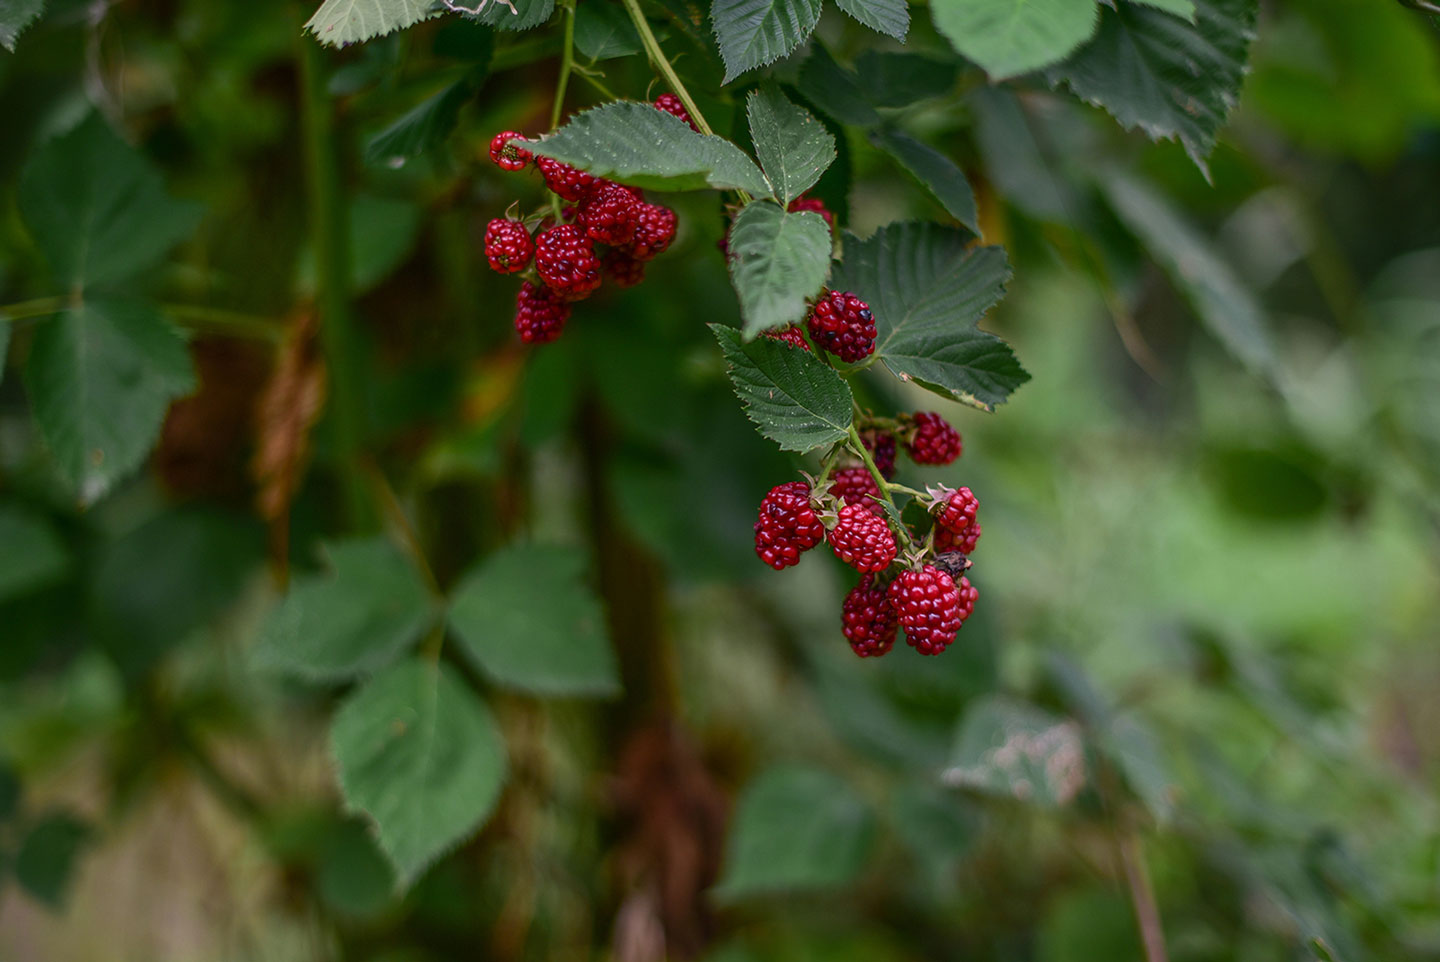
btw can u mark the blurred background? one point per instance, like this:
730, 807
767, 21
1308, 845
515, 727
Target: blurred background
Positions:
1209, 577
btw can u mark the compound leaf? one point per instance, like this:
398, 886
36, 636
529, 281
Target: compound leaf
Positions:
794, 398
793, 147
778, 260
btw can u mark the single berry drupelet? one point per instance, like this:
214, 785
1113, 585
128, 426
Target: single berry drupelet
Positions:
927, 604
816, 206
790, 334
862, 540
964, 541
567, 181
506, 152
540, 316
881, 445
856, 486
934, 440
608, 213
957, 511
868, 619
508, 246
624, 269
672, 104
787, 525
565, 260
654, 230
842, 324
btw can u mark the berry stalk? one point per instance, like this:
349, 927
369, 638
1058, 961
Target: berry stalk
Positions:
858, 447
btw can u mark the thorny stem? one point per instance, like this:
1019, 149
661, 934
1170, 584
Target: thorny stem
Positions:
657, 57
858, 447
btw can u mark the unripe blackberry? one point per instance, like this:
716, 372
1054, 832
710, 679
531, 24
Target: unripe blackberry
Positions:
868, 619
881, 445
569, 182
624, 269
842, 324
790, 334
508, 246
862, 540
654, 230
672, 104
927, 604
607, 213
506, 152
787, 525
856, 486
540, 315
565, 260
964, 542
816, 206
957, 511
933, 441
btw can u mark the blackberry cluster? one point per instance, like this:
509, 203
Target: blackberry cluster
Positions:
609, 230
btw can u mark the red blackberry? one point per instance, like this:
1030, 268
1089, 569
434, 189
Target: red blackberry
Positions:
506, 152
862, 540
927, 604
567, 181
816, 206
671, 104
856, 486
934, 440
540, 315
508, 246
881, 445
957, 511
787, 525
565, 260
624, 269
968, 596
608, 213
842, 324
790, 335
868, 619
963, 542
654, 230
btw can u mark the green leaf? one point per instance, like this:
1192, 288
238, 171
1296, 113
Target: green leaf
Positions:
1135, 751
1015, 750
1185, 9
1011, 37
1014, 159
33, 555
421, 756
928, 293
937, 826
97, 209
1220, 299
4, 345
45, 864
795, 829
528, 620
353, 621
603, 31
933, 171
636, 144
794, 398
778, 260
890, 17
835, 90
893, 79
353, 876
424, 128
100, 378
751, 33
15, 16
1170, 78
338, 22
794, 149
528, 14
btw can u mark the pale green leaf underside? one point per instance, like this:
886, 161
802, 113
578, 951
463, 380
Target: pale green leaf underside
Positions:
795, 829
778, 261
1011, 37
338, 22
795, 399
100, 378
934, 171
15, 16
751, 33
636, 144
420, 755
928, 293
527, 619
793, 147
31, 554
528, 14
1017, 751
355, 620
890, 17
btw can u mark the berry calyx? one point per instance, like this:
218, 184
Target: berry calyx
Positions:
654, 230
508, 246
623, 268
928, 606
567, 181
790, 334
787, 525
868, 619
607, 213
816, 206
856, 486
862, 540
506, 152
934, 441
842, 324
672, 104
956, 511
565, 260
540, 315
881, 445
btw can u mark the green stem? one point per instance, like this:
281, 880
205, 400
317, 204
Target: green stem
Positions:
831, 460
593, 81
38, 307
858, 447
657, 57
220, 321
567, 61
904, 489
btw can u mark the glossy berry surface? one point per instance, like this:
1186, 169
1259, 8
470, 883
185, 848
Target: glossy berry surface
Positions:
565, 260
654, 230
881, 445
671, 104
624, 269
927, 604
862, 540
506, 152
790, 334
842, 324
957, 512
856, 486
787, 525
934, 440
608, 212
567, 181
508, 246
816, 206
868, 619
540, 316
